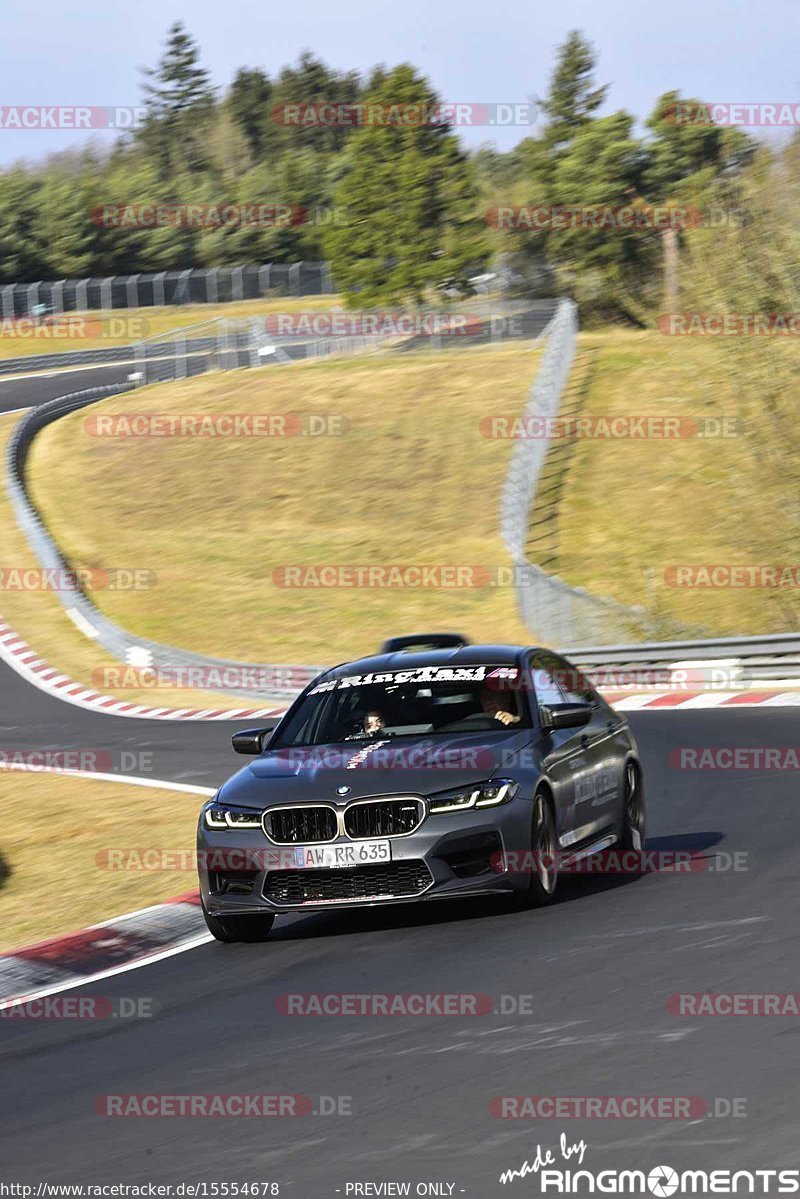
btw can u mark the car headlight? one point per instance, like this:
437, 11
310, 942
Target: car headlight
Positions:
483, 795
220, 816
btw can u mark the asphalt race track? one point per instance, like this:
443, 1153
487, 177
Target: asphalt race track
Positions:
36, 389
599, 967
22, 391
595, 972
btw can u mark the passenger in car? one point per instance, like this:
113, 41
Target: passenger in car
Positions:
499, 705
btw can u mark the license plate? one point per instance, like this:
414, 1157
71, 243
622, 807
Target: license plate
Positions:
334, 857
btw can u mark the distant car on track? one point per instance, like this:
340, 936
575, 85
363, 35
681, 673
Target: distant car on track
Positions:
434, 770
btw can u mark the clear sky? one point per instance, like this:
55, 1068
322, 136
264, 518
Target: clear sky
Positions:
472, 51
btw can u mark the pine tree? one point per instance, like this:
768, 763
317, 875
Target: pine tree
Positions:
608, 266
572, 98
685, 156
178, 101
568, 107
687, 163
249, 104
410, 204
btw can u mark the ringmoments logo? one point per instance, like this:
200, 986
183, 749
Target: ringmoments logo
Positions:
662, 1181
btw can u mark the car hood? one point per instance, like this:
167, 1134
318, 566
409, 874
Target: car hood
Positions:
406, 765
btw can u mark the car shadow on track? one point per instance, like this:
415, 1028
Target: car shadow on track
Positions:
449, 911
679, 853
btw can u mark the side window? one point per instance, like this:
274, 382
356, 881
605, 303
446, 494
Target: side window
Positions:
545, 670
576, 687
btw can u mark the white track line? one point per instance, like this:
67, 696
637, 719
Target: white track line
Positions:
150, 959
133, 779
17, 654
158, 955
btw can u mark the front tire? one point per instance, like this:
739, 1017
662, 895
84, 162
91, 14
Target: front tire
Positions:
544, 847
230, 929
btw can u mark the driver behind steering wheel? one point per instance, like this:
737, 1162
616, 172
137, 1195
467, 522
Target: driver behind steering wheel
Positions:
371, 726
498, 705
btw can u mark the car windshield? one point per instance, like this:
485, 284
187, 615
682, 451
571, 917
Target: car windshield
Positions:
427, 700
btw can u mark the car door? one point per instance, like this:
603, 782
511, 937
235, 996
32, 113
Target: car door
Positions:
599, 791
565, 757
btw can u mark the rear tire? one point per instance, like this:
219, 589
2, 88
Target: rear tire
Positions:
634, 814
544, 849
230, 929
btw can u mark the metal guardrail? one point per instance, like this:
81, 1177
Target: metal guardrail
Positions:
224, 344
763, 657
544, 599
43, 362
218, 337
771, 656
183, 667
247, 342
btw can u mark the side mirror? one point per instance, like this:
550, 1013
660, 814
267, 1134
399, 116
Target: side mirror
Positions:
566, 716
250, 741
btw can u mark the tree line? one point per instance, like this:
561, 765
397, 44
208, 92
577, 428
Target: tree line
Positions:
400, 210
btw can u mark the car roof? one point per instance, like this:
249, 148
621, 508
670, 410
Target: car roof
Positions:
460, 655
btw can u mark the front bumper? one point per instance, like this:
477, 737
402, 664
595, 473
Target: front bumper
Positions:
450, 855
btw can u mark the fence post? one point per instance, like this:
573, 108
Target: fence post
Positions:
180, 356
7, 293
183, 285
140, 361
74, 294
31, 297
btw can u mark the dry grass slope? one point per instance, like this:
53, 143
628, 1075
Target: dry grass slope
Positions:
50, 837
